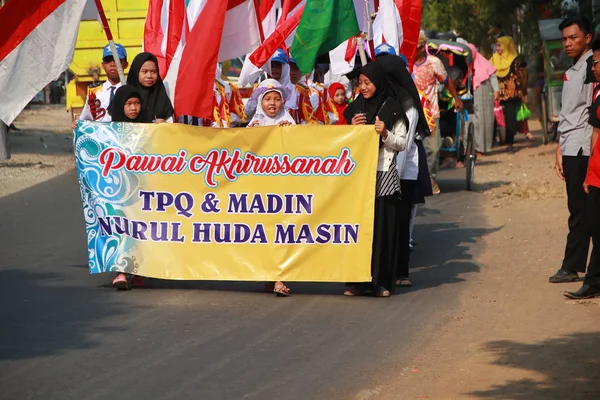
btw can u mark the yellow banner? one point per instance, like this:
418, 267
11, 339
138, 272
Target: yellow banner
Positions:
260, 204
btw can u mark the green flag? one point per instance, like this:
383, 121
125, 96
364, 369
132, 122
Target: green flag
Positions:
324, 25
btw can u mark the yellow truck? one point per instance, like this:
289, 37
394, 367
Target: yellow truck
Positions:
126, 19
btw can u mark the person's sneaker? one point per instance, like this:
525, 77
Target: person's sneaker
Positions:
120, 282
585, 292
434, 187
564, 276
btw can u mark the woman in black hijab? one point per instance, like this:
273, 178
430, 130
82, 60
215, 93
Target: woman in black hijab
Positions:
375, 106
145, 77
402, 85
127, 105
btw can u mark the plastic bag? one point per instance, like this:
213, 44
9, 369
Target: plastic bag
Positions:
499, 114
523, 113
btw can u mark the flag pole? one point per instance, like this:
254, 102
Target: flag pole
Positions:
364, 35
369, 20
111, 42
361, 49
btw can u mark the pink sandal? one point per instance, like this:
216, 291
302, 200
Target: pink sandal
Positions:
281, 290
120, 282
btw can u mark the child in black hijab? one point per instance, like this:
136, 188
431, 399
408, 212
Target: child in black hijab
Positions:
145, 77
375, 106
127, 105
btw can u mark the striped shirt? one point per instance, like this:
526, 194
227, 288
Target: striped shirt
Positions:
388, 182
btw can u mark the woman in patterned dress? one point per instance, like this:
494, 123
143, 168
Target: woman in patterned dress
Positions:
512, 87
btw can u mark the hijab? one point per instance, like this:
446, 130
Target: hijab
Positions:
285, 74
340, 108
381, 104
269, 86
116, 109
509, 53
155, 101
402, 85
482, 68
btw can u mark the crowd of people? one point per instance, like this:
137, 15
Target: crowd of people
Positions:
384, 96
403, 108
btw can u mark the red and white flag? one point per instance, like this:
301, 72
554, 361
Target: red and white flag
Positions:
279, 36
211, 31
38, 40
267, 14
166, 26
387, 27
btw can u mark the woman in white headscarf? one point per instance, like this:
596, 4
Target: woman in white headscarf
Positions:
269, 102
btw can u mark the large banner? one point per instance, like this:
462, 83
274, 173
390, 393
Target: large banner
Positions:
263, 204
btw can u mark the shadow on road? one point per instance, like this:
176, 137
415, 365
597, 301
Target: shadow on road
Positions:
460, 185
568, 368
41, 316
453, 257
298, 288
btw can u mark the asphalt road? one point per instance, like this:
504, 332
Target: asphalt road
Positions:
65, 334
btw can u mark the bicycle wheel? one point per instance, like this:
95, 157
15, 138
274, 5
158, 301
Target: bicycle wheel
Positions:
470, 157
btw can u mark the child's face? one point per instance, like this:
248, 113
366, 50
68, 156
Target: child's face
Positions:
596, 64
132, 108
340, 97
367, 88
276, 70
148, 74
271, 104
110, 67
295, 74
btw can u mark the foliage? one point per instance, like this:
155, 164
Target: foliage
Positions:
473, 19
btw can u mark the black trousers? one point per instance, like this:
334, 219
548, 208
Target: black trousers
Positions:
592, 277
510, 117
578, 239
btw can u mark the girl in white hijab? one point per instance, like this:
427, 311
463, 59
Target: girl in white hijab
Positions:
269, 102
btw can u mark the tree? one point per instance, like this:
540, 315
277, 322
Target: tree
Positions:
472, 19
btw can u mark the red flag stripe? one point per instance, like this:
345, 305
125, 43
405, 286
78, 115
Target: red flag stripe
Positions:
259, 21
410, 15
234, 3
19, 20
264, 8
351, 50
153, 34
262, 54
191, 99
288, 7
177, 16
